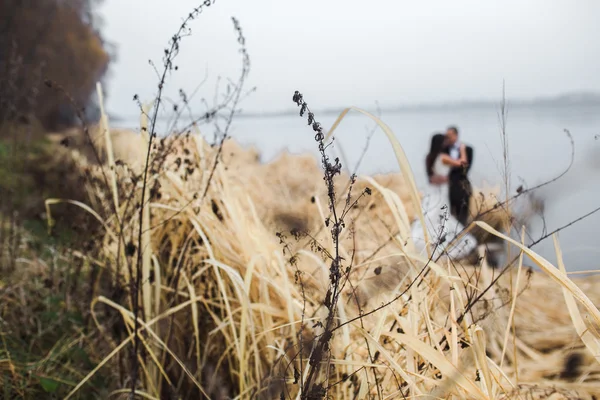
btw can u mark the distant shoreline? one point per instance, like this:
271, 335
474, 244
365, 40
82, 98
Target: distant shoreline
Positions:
561, 101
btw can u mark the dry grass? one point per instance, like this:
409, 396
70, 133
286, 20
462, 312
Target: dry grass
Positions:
226, 312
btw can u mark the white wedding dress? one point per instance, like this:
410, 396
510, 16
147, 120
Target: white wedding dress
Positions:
442, 227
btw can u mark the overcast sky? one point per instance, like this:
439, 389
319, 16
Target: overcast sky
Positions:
350, 52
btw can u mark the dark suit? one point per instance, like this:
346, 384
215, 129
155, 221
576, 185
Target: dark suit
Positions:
460, 189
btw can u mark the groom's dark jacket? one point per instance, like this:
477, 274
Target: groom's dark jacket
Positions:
462, 171
460, 188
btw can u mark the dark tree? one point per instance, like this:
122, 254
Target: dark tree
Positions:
49, 40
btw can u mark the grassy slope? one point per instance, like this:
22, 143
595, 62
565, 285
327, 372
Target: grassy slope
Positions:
44, 304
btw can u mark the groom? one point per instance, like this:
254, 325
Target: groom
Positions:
460, 187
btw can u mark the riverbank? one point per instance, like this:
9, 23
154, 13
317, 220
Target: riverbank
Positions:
239, 292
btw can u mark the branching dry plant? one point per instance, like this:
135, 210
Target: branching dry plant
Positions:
338, 274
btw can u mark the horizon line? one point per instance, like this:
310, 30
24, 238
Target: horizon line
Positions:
567, 98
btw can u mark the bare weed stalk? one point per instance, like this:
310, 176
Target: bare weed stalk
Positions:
311, 389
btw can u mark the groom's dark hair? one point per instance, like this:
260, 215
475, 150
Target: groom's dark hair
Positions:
453, 128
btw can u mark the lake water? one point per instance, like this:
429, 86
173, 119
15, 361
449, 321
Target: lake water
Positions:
538, 151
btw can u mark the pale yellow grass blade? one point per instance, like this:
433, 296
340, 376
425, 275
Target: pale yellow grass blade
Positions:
109, 148
402, 162
137, 393
128, 317
121, 345
440, 362
195, 316
501, 374
479, 349
397, 209
157, 284
146, 258
235, 278
84, 206
97, 368
586, 335
453, 325
590, 271
556, 275
510, 322
393, 362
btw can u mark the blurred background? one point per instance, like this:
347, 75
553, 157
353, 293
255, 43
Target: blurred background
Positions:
420, 67
426, 65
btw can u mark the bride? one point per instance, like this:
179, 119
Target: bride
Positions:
442, 227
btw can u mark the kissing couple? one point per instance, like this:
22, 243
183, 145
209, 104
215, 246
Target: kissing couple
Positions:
445, 204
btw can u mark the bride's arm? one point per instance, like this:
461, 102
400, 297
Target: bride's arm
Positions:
447, 160
438, 179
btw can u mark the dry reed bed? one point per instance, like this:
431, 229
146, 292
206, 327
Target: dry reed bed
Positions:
229, 307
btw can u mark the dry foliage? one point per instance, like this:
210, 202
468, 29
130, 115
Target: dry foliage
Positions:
230, 309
